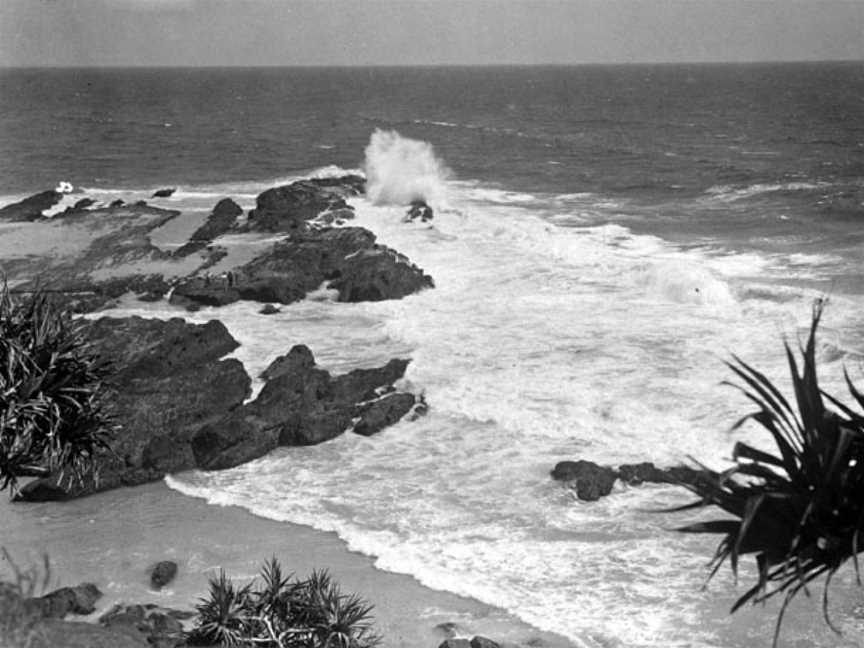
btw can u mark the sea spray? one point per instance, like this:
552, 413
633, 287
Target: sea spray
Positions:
400, 170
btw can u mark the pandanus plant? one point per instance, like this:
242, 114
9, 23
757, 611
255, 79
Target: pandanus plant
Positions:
800, 509
52, 417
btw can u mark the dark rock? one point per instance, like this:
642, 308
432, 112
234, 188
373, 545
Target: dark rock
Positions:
116, 203
80, 599
163, 573
298, 359
80, 206
158, 626
288, 208
140, 203
299, 405
55, 633
589, 480
269, 309
419, 210
164, 193
222, 219
385, 411
167, 384
482, 642
30, 208
346, 257
455, 643
635, 474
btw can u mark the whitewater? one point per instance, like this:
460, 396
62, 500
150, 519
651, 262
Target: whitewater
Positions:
552, 333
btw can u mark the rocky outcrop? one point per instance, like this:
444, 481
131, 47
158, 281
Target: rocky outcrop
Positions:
222, 218
80, 599
592, 481
300, 404
290, 207
167, 383
178, 406
475, 642
157, 625
164, 193
419, 210
346, 259
30, 208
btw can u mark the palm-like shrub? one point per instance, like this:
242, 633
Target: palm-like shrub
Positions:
283, 612
51, 416
799, 510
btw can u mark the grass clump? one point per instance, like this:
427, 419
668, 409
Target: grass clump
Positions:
19, 614
800, 509
279, 611
51, 415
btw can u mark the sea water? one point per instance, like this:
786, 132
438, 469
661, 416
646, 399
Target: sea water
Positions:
604, 239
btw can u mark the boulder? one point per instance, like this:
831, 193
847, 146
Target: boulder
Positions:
482, 642
163, 573
419, 210
635, 474
30, 208
299, 404
590, 480
167, 383
346, 259
80, 599
385, 411
164, 193
222, 218
290, 207
116, 203
54, 633
157, 625
455, 643
269, 309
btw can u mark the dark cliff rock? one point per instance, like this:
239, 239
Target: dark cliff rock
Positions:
299, 405
378, 414
290, 207
168, 382
30, 208
348, 258
222, 218
592, 481
419, 210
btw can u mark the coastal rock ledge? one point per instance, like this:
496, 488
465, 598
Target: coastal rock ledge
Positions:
178, 405
592, 481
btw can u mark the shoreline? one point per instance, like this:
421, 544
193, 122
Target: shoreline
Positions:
125, 531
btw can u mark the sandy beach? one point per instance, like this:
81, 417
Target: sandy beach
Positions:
112, 538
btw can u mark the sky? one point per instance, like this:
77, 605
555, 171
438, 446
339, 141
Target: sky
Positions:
424, 32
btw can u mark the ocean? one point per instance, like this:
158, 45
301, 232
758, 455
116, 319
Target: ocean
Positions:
605, 237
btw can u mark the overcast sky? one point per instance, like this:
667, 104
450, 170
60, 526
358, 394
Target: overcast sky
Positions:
410, 32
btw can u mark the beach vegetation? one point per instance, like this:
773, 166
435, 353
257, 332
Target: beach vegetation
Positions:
281, 611
799, 509
19, 617
52, 418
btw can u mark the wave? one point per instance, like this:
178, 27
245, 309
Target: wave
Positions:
732, 192
400, 170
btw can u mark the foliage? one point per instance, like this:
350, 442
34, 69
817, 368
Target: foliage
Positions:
280, 611
799, 510
51, 415
18, 619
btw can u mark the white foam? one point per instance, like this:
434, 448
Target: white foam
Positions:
400, 170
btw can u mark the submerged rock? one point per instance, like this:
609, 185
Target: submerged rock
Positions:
164, 193
30, 208
269, 309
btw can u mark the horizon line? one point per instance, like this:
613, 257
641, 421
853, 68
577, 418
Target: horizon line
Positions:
432, 65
